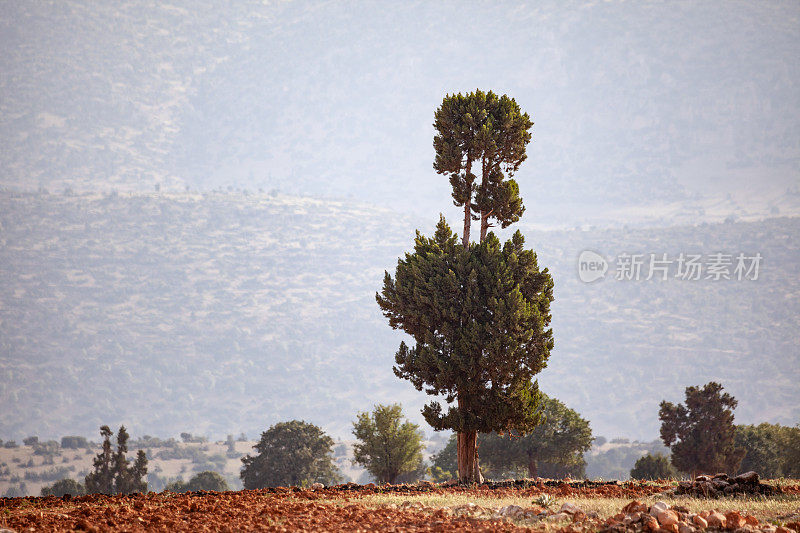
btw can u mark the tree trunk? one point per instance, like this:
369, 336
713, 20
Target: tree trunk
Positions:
467, 447
467, 205
467, 224
533, 468
467, 454
484, 224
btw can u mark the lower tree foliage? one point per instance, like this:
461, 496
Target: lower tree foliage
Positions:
701, 433
479, 318
554, 448
388, 447
652, 467
293, 453
113, 473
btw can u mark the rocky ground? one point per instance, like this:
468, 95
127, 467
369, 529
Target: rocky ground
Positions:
353, 507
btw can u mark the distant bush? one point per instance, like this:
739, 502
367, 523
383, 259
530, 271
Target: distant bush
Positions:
153, 442
599, 441
206, 480
74, 442
64, 486
10, 444
196, 455
50, 447
16, 491
620, 441
652, 467
50, 474
188, 437
30, 441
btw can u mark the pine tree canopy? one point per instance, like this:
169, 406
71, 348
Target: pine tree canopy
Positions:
701, 433
487, 132
479, 318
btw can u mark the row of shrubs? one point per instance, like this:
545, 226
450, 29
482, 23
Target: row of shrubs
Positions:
206, 480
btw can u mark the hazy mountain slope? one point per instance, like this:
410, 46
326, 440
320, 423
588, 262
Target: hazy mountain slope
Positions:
225, 313
633, 103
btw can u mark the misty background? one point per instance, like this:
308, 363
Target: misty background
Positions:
198, 203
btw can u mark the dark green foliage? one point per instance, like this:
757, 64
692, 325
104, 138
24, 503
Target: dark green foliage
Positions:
652, 467
479, 320
10, 444
74, 442
701, 433
30, 441
554, 448
489, 133
772, 450
113, 473
388, 446
207, 480
64, 486
291, 453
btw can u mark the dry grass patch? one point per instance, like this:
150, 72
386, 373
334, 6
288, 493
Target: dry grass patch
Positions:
765, 509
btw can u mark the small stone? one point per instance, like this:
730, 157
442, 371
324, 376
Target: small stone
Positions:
721, 475
635, 507
685, 528
672, 528
702, 478
658, 507
632, 518
666, 518
733, 520
716, 519
570, 508
649, 523
748, 477
317, 486
557, 517
751, 520
510, 510
700, 522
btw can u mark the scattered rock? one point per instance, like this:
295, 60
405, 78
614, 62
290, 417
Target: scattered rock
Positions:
317, 486
722, 485
635, 507
716, 519
558, 517
700, 522
510, 511
570, 508
748, 477
667, 517
657, 508
650, 523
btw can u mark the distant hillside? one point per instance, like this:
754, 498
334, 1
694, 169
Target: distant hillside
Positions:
634, 103
222, 313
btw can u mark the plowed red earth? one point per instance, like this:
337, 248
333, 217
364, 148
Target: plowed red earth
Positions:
332, 509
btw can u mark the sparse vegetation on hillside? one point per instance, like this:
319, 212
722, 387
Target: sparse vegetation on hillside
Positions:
197, 303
